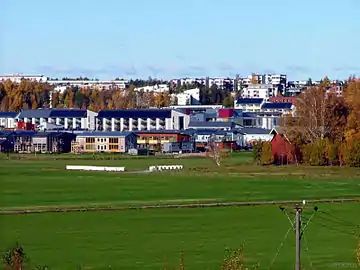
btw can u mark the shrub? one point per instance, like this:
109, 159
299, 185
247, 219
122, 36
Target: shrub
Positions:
332, 153
266, 156
350, 152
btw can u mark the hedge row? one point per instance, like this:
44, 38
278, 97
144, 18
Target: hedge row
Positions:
321, 153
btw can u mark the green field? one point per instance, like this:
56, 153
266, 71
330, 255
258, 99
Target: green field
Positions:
153, 239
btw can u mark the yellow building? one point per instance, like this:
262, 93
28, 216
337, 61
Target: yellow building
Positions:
111, 142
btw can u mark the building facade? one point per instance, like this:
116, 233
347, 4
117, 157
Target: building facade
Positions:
108, 142
149, 119
65, 118
8, 119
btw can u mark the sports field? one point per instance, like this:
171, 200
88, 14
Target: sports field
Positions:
154, 238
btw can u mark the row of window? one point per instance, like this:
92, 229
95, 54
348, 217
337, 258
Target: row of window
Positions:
102, 140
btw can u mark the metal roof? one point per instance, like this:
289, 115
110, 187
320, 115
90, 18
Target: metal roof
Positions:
53, 113
202, 124
147, 113
276, 105
254, 130
105, 134
249, 101
8, 114
159, 131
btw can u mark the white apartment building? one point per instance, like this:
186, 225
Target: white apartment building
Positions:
66, 118
159, 88
219, 82
17, 78
89, 83
147, 119
188, 97
264, 91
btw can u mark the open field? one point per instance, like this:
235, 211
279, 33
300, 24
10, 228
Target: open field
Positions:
150, 239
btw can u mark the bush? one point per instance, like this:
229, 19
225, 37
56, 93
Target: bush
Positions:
350, 152
266, 156
332, 153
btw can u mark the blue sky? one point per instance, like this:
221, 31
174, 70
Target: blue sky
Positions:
177, 38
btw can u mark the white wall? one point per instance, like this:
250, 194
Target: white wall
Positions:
7, 122
256, 137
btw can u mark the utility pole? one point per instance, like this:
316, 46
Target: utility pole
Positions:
298, 237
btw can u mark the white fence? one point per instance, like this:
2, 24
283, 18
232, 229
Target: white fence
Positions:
95, 168
165, 167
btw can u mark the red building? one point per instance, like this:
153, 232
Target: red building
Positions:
283, 151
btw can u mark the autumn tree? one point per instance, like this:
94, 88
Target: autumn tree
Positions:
318, 115
254, 79
351, 95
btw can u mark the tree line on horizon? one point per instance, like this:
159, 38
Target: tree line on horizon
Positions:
27, 94
324, 129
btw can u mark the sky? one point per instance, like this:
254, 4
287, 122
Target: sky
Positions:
180, 38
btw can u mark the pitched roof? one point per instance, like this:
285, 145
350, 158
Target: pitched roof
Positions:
8, 114
53, 113
105, 134
277, 105
249, 101
147, 113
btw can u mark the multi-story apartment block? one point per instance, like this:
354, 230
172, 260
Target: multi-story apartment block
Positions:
60, 84
264, 91
249, 104
188, 97
149, 119
63, 118
159, 88
17, 78
223, 83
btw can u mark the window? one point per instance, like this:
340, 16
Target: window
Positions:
90, 140
114, 140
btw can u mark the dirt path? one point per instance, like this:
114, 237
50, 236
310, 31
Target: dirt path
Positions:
169, 206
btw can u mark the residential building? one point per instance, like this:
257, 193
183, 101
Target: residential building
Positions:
188, 97
52, 142
17, 78
151, 138
7, 119
22, 141
282, 100
83, 83
252, 135
142, 119
283, 108
249, 104
68, 118
219, 125
6, 143
159, 88
100, 141
264, 91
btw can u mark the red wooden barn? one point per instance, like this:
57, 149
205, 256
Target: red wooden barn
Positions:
283, 151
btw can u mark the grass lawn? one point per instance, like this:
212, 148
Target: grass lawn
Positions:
152, 238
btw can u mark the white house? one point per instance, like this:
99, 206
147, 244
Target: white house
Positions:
142, 119
251, 135
68, 118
